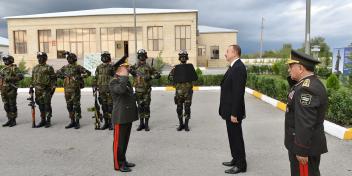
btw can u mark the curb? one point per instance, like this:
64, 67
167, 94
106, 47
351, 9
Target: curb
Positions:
329, 127
168, 88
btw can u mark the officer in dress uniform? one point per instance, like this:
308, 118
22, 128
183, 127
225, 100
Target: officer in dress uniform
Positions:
306, 107
123, 114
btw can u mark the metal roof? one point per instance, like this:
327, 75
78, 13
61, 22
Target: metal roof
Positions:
106, 11
4, 41
210, 29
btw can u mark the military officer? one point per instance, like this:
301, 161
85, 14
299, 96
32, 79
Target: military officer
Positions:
124, 113
142, 74
304, 119
44, 82
182, 77
73, 75
9, 77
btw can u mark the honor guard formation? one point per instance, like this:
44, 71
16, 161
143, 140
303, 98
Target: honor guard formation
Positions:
43, 85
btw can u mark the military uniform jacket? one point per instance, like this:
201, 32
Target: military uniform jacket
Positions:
304, 118
43, 75
103, 75
124, 102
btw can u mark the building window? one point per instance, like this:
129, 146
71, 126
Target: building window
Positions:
214, 52
117, 40
155, 38
201, 51
20, 38
44, 40
183, 37
79, 41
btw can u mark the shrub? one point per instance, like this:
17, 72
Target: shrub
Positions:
340, 107
333, 82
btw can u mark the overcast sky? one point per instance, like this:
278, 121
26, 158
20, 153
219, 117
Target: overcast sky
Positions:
284, 19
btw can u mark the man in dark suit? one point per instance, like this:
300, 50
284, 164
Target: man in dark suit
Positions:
232, 108
123, 114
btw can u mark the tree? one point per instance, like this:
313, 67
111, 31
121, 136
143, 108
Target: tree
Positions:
324, 47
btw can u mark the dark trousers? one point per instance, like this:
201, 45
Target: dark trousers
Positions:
235, 135
121, 137
313, 165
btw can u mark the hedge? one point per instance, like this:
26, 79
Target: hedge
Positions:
203, 80
340, 107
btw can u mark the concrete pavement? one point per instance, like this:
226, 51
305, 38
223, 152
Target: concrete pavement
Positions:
162, 151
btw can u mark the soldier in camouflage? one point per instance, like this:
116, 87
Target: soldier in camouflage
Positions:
103, 75
44, 83
182, 77
9, 77
142, 75
73, 75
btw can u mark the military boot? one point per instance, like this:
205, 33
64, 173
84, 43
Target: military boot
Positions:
146, 128
48, 120
12, 122
13, 116
42, 121
73, 123
106, 124
110, 124
181, 125
7, 123
141, 125
186, 125
77, 125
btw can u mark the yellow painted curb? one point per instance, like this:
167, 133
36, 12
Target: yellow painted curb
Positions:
195, 88
257, 94
348, 134
281, 106
59, 89
169, 88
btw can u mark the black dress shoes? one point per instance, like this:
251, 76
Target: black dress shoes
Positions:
235, 170
229, 164
130, 164
124, 168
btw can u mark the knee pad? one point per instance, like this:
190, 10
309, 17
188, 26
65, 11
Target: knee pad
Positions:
140, 109
42, 107
7, 107
179, 109
70, 108
13, 109
105, 108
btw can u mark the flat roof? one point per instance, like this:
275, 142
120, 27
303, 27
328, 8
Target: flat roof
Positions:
4, 41
210, 29
106, 11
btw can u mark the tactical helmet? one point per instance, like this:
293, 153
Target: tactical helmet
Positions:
142, 55
8, 59
71, 58
183, 56
42, 57
105, 57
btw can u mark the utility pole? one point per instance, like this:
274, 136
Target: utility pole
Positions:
135, 29
307, 36
261, 39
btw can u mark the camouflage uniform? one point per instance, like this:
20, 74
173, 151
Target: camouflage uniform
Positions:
10, 75
184, 90
103, 75
142, 75
44, 82
73, 75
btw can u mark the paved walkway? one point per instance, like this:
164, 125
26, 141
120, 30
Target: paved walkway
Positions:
160, 152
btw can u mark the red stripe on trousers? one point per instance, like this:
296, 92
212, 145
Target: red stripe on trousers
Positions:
303, 169
116, 145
